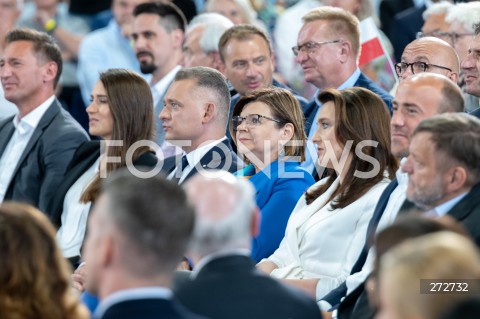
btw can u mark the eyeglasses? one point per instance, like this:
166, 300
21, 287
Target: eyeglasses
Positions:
250, 120
311, 46
416, 67
452, 36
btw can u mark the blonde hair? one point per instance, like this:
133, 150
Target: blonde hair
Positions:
439, 256
342, 24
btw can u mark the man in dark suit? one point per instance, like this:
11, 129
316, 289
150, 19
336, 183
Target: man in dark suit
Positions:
138, 232
328, 48
195, 118
418, 97
443, 171
225, 282
37, 144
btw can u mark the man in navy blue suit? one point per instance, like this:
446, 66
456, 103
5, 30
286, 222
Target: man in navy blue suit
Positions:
418, 97
225, 282
138, 232
328, 48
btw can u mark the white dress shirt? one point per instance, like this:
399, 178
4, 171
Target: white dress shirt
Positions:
194, 158
75, 214
24, 128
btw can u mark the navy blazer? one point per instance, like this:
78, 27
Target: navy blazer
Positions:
83, 159
148, 308
220, 157
363, 81
404, 28
231, 287
475, 113
44, 161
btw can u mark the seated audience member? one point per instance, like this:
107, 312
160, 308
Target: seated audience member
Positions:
34, 277
405, 227
121, 110
267, 127
138, 232
200, 47
428, 54
443, 171
418, 97
37, 144
461, 19
195, 118
470, 67
326, 230
408, 269
108, 47
249, 62
225, 283
435, 24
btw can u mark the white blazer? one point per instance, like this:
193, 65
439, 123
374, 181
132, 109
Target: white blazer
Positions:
321, 243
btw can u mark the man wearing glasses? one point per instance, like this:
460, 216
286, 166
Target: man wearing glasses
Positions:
328, 47
428, 54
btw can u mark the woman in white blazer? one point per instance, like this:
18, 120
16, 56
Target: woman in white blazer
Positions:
327, 229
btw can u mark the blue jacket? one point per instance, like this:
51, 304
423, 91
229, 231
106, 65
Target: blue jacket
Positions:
277, 195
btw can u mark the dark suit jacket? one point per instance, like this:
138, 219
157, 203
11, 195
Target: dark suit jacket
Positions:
44, 161
220, 157
476, 113
466, 211
83, 159
404, 28
389, 8
153, 308
363, 81
231, 287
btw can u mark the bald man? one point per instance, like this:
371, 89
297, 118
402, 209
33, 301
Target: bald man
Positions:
418, 97
225, 283
429, 54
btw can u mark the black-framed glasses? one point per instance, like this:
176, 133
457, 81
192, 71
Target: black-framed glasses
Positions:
310, 46
452, 36
416, 67
250, 120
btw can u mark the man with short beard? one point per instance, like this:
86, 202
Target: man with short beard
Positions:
158, 32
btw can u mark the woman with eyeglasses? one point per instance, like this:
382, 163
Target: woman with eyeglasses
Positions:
327, 229
267, 127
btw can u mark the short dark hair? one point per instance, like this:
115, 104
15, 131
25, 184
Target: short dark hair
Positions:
457, 136
44, 47
154, 216
214, 81
172, 17
241, 32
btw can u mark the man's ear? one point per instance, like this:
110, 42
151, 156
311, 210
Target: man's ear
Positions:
177, 38
210, 109
457, 179
50, 72
345, 51
217, 62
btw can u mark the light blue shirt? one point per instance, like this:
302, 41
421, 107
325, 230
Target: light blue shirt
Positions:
444, 208
312, 156
101, 50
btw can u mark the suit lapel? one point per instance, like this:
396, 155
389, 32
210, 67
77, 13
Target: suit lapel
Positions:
465, 206
6, 134
46, 119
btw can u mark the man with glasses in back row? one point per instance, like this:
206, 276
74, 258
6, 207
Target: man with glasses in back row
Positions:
328, 47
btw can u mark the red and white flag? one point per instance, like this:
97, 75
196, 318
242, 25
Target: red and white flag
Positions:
370, 41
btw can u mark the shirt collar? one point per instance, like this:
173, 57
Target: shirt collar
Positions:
32, 119
132, 294
345, 85
196, 155
444, 208
161, 86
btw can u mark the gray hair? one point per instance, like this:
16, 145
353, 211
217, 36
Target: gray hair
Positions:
212, 80
457, 136
244, 5
215, 25
465, 13
233, 229
441, 7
